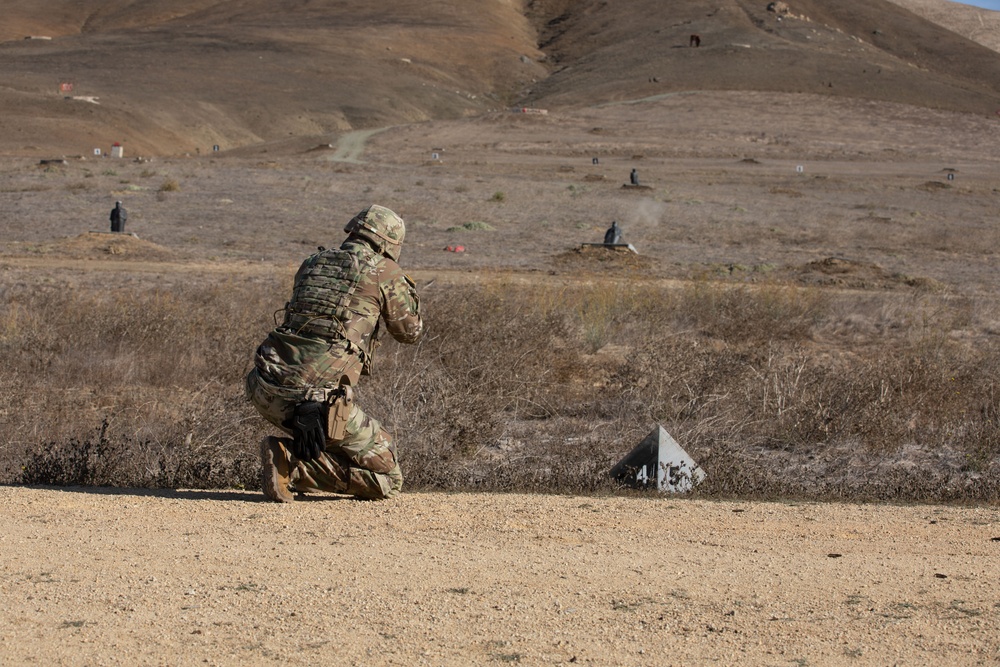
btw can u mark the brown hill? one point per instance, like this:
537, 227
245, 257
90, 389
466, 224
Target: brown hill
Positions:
869, 49
174, 76
979, 25
166, 77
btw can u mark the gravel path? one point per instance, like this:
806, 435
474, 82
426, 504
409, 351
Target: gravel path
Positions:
109, 577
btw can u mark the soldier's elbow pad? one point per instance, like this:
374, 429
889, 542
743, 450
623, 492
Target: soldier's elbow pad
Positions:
412, 334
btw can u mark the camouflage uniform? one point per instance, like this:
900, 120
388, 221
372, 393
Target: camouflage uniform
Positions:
326, 342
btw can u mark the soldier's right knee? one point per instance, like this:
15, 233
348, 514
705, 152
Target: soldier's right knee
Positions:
375, 486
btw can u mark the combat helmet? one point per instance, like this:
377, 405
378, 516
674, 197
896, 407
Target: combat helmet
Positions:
381, 227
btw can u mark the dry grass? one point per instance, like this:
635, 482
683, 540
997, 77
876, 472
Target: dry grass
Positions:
542, 389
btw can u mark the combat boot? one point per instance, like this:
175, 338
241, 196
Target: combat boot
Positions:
275, 470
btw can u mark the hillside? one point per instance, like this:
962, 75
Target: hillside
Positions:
167, 77
979, 25
872, 50
170, 77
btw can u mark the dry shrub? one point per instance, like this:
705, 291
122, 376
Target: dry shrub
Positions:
741, 314
453, 393
156, 373
524, 388
101, 459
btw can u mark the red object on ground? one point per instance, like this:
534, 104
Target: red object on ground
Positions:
455, 248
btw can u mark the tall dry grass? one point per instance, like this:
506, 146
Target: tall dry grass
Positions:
776, 391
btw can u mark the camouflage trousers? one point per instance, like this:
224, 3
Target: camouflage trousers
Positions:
362, 464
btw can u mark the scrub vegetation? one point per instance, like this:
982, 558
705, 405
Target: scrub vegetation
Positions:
544, 390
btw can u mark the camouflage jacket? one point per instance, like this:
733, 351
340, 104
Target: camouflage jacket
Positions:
331, 323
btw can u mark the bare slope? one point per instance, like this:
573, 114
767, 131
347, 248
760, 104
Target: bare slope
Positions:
979, 25
171, 77
871, 49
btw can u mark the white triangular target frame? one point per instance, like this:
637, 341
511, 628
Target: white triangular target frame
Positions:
659, 461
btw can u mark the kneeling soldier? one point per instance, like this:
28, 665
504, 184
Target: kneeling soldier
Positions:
305, 369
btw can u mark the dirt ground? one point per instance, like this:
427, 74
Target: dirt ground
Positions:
100, 577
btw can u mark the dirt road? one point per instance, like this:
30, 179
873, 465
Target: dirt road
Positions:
102, 577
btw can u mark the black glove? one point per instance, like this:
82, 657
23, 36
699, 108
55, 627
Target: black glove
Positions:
309, 438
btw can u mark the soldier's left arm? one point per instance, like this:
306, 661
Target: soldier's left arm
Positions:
400, 305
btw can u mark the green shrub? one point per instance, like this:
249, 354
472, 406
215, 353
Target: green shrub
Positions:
473, 226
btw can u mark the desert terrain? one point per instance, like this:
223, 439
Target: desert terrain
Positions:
825, 224
221, 578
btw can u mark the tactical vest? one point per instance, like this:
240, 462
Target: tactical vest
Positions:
326, 300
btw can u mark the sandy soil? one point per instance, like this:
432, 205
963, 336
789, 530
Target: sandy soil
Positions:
101, 577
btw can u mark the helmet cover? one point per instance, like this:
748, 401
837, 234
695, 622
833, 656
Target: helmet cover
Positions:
380, 226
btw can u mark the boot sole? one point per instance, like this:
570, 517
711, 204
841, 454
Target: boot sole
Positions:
272, 482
